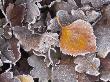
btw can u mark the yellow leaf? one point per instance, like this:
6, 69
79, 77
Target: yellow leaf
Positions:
25, 78
77, 38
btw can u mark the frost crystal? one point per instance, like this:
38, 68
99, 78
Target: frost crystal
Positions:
88, 63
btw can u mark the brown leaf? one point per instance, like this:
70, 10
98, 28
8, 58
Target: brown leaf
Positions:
15, 14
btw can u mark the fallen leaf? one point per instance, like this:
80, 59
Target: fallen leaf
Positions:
10, 50
40, 69
15, 14
32, 12
65, 70
77, 38
88, 64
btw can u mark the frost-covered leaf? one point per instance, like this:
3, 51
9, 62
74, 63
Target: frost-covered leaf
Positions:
3, 48
41, 44
64, 71
88, 64
103, 40
40, 69
37, 42
15, 14
10, 49
25, 37
102, 32
47, 43
77, 38
32, 12
64, 17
